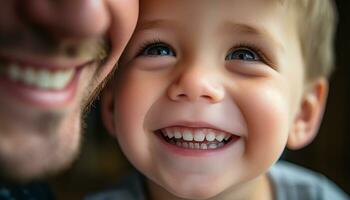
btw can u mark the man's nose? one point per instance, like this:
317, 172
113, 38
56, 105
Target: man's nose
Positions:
197, 84
77, 19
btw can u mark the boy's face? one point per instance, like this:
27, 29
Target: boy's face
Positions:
223, 68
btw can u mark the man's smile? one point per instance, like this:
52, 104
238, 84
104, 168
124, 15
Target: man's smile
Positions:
49, 84
41, 79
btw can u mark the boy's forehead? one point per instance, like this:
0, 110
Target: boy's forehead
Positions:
251, 17
198, 12
208, 7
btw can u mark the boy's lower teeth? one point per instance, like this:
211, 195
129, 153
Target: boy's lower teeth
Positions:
205, 145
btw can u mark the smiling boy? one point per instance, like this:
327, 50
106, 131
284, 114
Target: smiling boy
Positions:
209, 93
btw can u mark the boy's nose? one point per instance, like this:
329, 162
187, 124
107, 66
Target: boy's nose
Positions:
67, 18
196, 84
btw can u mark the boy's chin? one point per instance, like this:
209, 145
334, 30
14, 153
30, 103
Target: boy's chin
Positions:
201, 192
198, 188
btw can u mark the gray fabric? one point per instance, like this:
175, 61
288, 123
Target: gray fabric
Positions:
289, 182
293, 182
130, 188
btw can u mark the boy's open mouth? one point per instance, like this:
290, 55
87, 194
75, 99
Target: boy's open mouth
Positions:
196, 138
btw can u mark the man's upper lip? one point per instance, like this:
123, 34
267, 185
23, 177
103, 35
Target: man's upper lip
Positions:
45, 62
200, 124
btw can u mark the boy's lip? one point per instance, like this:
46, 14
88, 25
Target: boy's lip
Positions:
36, 96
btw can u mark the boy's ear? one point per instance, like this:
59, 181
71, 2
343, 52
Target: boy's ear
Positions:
308, 118
107, 108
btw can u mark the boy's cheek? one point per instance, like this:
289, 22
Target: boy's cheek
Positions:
134, 96
267, 113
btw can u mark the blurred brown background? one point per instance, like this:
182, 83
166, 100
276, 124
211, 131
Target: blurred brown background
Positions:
101, 162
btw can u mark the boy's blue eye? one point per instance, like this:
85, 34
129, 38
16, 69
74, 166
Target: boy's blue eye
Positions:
157, 50
243, 54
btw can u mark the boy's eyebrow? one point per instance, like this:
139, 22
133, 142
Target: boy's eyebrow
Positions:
241, 28
261, 32
149, 24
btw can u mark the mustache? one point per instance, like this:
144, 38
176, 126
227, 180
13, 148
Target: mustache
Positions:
45, 44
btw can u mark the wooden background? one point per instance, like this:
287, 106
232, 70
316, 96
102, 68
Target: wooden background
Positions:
101, 163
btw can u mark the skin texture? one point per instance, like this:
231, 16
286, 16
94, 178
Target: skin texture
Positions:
40, 135
176, 71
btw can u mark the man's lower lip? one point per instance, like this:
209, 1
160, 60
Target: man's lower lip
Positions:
195, 152
40, 97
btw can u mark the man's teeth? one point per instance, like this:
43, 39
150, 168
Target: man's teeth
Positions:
196, 135
40, 78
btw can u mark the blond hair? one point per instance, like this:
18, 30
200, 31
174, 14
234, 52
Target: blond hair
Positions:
317, 21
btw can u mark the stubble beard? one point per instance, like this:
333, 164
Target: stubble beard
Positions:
52, 141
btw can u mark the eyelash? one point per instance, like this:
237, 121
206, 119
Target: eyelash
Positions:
153, 42
253, 48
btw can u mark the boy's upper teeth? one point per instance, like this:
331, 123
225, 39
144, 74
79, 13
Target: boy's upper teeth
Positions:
40, 78
195, 134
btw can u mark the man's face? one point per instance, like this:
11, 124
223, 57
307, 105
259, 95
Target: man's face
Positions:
206, 93
54, 55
